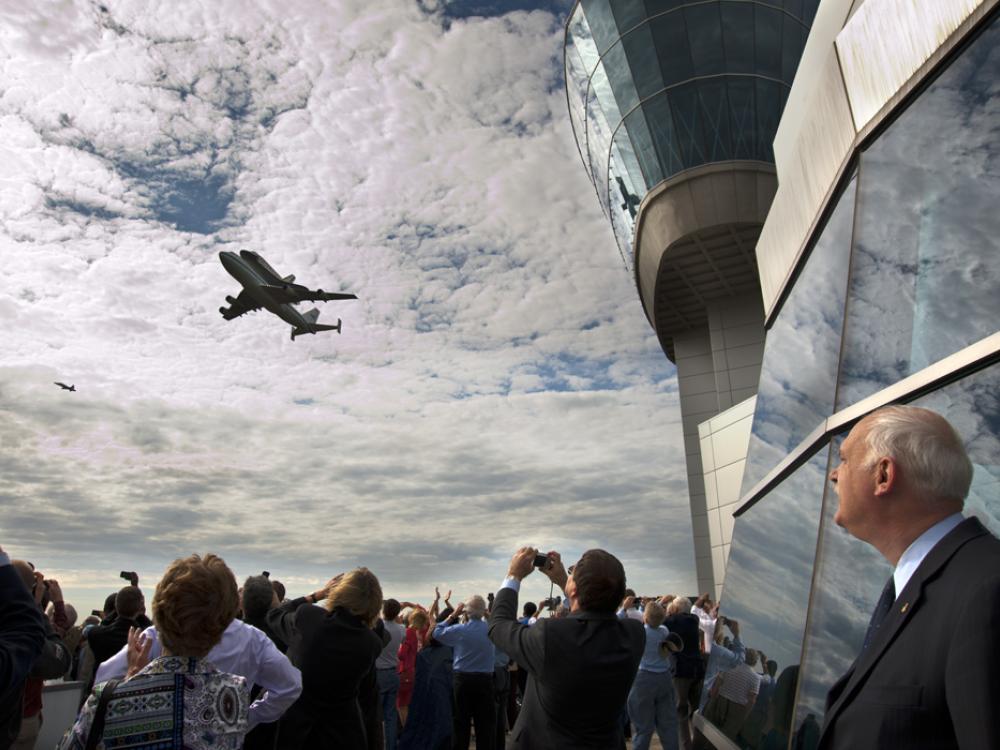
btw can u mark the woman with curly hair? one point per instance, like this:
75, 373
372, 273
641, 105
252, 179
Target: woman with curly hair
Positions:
335, 648
194, 603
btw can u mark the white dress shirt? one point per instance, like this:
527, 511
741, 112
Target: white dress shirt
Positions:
245, 651
910, 560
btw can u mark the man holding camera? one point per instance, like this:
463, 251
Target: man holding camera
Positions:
580, 667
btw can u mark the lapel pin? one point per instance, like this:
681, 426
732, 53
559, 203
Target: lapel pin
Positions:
906, 606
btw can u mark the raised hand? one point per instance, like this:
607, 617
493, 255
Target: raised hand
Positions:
137, 652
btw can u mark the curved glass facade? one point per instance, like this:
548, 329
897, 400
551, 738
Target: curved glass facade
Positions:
903, 273
657, 87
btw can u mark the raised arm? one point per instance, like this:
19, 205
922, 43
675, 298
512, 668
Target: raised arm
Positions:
523, 644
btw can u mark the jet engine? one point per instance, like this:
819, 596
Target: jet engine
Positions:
230, 300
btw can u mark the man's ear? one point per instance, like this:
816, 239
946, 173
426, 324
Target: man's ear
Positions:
885, 476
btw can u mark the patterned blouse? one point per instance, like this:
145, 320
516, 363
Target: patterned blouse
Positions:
173, 703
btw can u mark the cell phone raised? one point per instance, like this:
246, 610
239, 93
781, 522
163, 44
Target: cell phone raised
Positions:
131, 576
541, 560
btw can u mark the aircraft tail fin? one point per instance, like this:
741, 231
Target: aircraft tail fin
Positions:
289, 278
312, 316
315, 328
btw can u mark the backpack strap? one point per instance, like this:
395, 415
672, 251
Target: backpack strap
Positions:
96, 733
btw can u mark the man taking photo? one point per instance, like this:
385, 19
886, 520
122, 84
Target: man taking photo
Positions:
580, 667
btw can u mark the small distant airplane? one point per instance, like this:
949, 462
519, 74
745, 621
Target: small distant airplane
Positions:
66, 387
264, 288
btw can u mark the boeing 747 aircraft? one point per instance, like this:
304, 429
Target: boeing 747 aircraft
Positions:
264, 288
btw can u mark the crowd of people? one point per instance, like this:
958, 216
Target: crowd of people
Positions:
253, 669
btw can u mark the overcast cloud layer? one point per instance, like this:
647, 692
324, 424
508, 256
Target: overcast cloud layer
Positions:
495, 384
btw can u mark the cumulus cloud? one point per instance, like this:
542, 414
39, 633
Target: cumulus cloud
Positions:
495, 384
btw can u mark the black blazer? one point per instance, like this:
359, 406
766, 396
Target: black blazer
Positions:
931, 677
336, 652
107, 640
580, 669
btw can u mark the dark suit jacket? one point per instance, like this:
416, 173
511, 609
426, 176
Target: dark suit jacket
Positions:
336, 653
931, 677
580, 669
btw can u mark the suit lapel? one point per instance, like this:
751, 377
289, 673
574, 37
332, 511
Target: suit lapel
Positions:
906, 603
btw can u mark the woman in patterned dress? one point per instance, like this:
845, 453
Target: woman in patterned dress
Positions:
179, 700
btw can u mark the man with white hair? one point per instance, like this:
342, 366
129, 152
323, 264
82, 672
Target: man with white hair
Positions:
472, 665
927, 673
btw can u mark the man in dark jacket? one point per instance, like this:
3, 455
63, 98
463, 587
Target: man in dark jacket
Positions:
52, 662
22, 636
580, 667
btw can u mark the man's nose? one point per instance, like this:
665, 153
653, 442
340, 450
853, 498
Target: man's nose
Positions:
833, 475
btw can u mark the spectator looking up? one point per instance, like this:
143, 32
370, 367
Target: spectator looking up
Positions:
472, 666
194, 603
336, 648
580, 666
652, 704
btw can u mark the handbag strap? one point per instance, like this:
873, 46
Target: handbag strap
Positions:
96, 733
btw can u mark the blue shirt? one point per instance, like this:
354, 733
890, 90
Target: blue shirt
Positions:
474, 651
652, 660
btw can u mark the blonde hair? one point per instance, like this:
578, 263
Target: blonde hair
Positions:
360, 593
653, 614
419, 619
194, 603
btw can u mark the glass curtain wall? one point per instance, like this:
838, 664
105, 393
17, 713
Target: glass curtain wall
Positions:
656, 87
903, 274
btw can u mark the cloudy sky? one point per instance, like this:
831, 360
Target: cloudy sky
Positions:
496, 384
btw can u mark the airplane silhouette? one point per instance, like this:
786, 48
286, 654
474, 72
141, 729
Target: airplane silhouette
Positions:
264, 288
66, 387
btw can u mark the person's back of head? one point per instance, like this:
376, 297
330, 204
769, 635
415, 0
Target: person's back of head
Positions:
599, 578
129, 602
358, 592
679, 605
390, 610
476, 607
279, 589
257, 597
194, 603
109, 604
653, 614
529, 609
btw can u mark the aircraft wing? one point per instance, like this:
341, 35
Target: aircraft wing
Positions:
292, 293
239, 306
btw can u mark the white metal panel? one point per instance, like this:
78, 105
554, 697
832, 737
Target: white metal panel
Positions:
886, 41
826, 137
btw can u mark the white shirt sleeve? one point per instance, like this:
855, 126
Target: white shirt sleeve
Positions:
117, 665
281, 681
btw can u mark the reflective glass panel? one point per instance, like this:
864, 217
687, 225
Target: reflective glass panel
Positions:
770, 100
628, 13
737, 34
704, 28
744, 118
642, 141
793, 36
926, 265
850, 574
672, 47
715, 117
620, 76
602, 22
661, 126
601, 110
641, 53
688, 124
766, 592
577, 78
767, 37
793, 400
